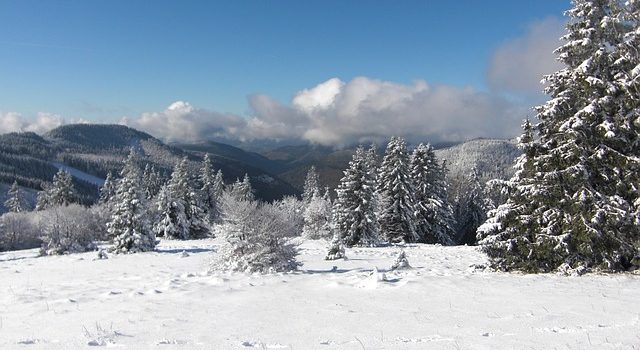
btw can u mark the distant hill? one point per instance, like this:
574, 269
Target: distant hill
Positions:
222, 150
90, 151
491, 158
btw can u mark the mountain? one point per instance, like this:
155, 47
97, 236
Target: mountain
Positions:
236, 154
90, 151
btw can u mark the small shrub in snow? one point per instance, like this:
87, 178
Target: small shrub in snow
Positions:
67, 229
336, 250
401, 262
255, 238
19, 231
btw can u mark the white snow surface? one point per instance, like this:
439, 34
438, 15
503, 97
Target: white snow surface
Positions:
79, 174
167, 299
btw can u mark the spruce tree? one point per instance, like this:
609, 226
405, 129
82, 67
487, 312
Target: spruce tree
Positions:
354, 212
108, 189
311, 185
242, 190
60, 192
397, 217
433, 210
15, 202
172, 222
129, 224
217, 191
152, 181
571, 200
209, 192
180, 208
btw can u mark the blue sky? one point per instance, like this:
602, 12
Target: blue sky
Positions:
101, 60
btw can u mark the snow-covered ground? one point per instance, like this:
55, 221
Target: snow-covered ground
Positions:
79, 174
166, 299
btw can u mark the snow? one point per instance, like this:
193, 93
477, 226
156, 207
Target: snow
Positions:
79, 174
445, 301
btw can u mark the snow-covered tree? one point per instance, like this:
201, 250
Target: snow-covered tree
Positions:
397, 201
253, 238
434, 214
15, 202
172, 221
181, 213
108, 189
571, 203
151, 181
293, 209
354, 209
317, 218
210, 191
311, 185
401, 262
60, 192
336, 248
242, 190
129, 224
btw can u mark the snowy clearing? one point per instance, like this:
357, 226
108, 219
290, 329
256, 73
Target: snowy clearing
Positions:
166, 299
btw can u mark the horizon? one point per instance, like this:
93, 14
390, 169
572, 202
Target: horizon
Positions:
317, 73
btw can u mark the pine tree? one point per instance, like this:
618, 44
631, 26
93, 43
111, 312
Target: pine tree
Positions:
181, 211
217, 190
173, 222
354, 211
571, 201
311, 186
152, 181
129, 224
434, 214
15, 203
108, 189
60, 192
242, 190
210, 192
397, 217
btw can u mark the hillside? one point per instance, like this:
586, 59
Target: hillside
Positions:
222, 150
90, 151
492, 159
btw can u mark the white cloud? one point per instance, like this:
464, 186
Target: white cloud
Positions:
364, 109
183, 122
340, 113
319, 97
519, 64
15, 122
44, 122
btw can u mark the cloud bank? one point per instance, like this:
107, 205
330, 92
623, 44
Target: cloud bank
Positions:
16, 122
341, 113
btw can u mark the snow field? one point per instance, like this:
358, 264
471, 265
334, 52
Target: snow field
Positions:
169, 299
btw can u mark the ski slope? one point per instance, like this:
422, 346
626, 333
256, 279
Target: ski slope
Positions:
167, 299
